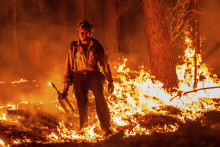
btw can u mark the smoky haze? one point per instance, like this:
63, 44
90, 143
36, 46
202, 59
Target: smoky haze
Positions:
210, 32
43, 30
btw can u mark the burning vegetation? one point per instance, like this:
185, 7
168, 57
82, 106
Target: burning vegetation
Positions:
144, 111
140, 109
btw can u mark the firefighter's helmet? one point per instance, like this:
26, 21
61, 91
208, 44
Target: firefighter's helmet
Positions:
85, 25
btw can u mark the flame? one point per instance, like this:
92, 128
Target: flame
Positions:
2, 143
185, 74
20, 81
65, 134
3, 117
9, 106
135, 99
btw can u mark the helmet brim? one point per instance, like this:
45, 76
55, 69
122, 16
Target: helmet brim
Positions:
89, 30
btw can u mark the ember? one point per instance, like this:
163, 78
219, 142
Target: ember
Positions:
154, 97
139, 105
20, 81
2, 143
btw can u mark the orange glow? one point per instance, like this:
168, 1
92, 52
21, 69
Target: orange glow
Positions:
20, 81
2, 143
137, 97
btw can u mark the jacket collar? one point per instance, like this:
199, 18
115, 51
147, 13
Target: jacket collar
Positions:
90, 43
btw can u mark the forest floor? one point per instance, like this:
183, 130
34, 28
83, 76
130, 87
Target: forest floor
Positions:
29, 124
204, 132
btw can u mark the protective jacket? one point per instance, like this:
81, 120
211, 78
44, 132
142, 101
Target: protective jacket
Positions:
78, 61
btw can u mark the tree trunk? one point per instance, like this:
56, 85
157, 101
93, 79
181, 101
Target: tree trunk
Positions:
161, 59
194, 25
62, 20
14, 30
33, 47
39, 3
111, 28
80, 12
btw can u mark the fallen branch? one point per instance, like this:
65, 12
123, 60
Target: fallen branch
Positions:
181, 94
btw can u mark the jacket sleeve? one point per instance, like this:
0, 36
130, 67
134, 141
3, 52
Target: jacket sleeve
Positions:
68, 73
104, 64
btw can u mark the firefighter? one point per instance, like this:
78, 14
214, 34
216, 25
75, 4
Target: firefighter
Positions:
82, 70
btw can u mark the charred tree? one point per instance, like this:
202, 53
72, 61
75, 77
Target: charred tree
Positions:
38, 3
178, 20
13, 29
30, 43
161, 59
62, 14
79, 11
111, 27
194, 27
62, 21
114, 9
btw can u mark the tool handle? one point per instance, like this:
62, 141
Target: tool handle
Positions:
55, 88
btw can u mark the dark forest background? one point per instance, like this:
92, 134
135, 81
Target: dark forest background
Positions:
35, 35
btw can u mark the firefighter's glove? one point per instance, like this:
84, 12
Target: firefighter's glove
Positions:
110, 87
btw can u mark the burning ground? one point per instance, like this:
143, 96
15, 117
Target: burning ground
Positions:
142, 112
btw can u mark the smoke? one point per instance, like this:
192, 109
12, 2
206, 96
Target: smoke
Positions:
33, 46
132, 37
210, 32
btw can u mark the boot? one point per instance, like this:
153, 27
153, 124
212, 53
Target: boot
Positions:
108, 132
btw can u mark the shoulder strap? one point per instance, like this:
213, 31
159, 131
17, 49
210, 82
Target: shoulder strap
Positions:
73, 47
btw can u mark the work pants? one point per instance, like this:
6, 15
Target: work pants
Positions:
92, 80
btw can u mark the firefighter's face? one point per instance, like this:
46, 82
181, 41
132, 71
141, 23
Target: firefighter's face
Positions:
83, 35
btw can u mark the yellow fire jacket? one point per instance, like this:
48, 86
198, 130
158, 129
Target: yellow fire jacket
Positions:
78, 61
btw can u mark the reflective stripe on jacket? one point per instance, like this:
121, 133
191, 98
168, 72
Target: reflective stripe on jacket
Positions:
78, 61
